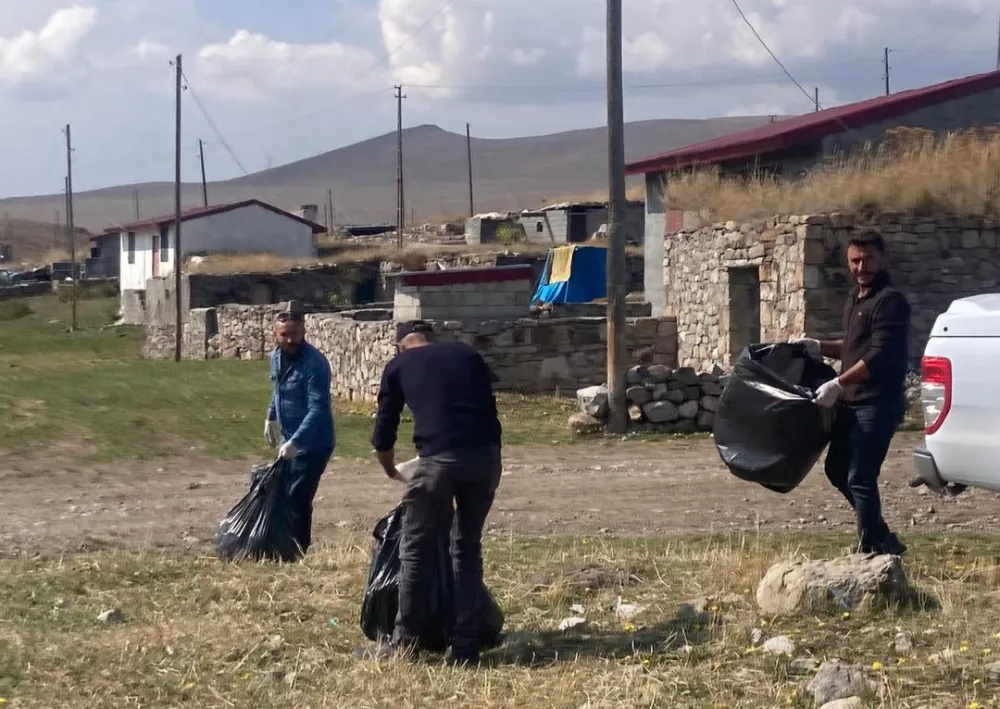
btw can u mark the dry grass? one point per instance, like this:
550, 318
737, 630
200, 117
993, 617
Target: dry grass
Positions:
632, 192
412, 258
199, 633
913, 172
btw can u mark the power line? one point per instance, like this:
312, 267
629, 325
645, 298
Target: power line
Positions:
211, 124
777, 61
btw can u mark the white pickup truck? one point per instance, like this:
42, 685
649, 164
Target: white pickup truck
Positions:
960, 393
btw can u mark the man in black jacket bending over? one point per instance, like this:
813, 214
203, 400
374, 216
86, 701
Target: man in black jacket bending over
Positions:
449, 388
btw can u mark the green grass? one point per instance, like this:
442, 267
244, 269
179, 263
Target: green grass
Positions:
201, 633
89, 388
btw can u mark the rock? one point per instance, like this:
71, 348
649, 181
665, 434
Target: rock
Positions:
779, 645
638, 395
688, 377
658, 373
686, 427
804, 664
660, 412
849, 703
706, 421
573, 622
711, 389
688, 410
903, 644
635, 414
581, 423
710, 403
993, 670
636, 376
836, 681
660, 392
692, 393
593, 400
675, 396
112, 616
757, 637
274, 643
789, 587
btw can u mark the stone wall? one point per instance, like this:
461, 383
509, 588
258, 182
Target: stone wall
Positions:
528, 355
25, 290
703, 268
464, 294
730, 284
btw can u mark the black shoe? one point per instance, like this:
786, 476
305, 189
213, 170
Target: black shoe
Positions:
461, 659
890, 545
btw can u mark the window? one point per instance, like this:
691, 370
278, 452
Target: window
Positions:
539, 227
164, 244
130, 246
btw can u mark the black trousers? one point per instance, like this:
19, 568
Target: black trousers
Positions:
455, 490
303, 480
862, 434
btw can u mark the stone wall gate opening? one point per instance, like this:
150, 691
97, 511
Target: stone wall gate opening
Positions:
744, 308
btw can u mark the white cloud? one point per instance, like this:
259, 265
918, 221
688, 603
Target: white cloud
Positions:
147, 50
36, 55
254, 66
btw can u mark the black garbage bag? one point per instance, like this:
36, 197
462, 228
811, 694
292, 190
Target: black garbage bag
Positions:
768, 429
260, 526
381, 601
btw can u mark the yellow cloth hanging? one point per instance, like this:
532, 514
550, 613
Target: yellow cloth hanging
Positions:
562, 263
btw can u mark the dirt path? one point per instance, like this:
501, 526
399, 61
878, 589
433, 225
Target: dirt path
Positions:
650, 488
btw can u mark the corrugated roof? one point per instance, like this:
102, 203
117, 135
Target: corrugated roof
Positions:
197, 212
811, 127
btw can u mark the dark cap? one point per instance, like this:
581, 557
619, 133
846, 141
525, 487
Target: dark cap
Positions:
292, 310
418, 327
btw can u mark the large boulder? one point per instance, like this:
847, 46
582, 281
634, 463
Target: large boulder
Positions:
581, 423
660, 412
593, 401
638, 395
790, 587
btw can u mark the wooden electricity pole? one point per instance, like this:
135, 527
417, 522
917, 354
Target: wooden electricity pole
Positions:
886, 62
816, 98
204, 184
178, 258
468, 151
618, 417
329, 202
400, 202
69, 227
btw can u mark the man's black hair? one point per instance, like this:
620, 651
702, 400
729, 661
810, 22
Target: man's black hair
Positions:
868, 239
414, 327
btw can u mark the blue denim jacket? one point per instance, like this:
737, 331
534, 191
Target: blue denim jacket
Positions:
301, 400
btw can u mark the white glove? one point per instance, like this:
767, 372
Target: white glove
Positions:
287, 450
828, 394
272, 433
812, 347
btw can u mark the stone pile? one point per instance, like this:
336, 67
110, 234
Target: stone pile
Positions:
660, 399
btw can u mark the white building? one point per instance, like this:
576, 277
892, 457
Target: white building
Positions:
251, 226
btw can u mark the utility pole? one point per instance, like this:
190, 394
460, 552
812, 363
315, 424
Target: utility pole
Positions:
998, 48
618, 416
886, 62
400, 201
135, 203
69, 226
178, 259
816, 98
468, 150
57, 231
329, 201
204, 184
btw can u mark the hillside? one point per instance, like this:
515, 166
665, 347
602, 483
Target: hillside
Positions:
33, 240
510, 173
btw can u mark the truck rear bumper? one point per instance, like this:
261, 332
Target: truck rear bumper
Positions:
927, 470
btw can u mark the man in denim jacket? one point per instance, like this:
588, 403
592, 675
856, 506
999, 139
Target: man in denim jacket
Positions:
300, 416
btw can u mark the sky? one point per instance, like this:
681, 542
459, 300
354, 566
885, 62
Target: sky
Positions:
267, 84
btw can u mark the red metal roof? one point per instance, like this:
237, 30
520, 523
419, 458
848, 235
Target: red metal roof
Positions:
811, 127
197, 212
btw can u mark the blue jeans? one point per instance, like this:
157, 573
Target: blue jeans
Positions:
303, 481
862, 434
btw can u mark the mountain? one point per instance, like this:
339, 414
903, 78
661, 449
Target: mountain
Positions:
509, 173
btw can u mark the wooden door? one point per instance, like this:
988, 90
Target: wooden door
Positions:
156, 256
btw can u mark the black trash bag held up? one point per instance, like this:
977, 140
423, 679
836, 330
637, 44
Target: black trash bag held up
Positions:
260, 526
381, 601
768, 429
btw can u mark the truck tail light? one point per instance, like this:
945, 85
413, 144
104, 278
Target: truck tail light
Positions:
935, 391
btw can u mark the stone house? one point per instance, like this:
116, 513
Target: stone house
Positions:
771, 280
576, 222
788, 148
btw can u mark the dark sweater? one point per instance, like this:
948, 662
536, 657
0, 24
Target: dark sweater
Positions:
449, 388
876, 330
